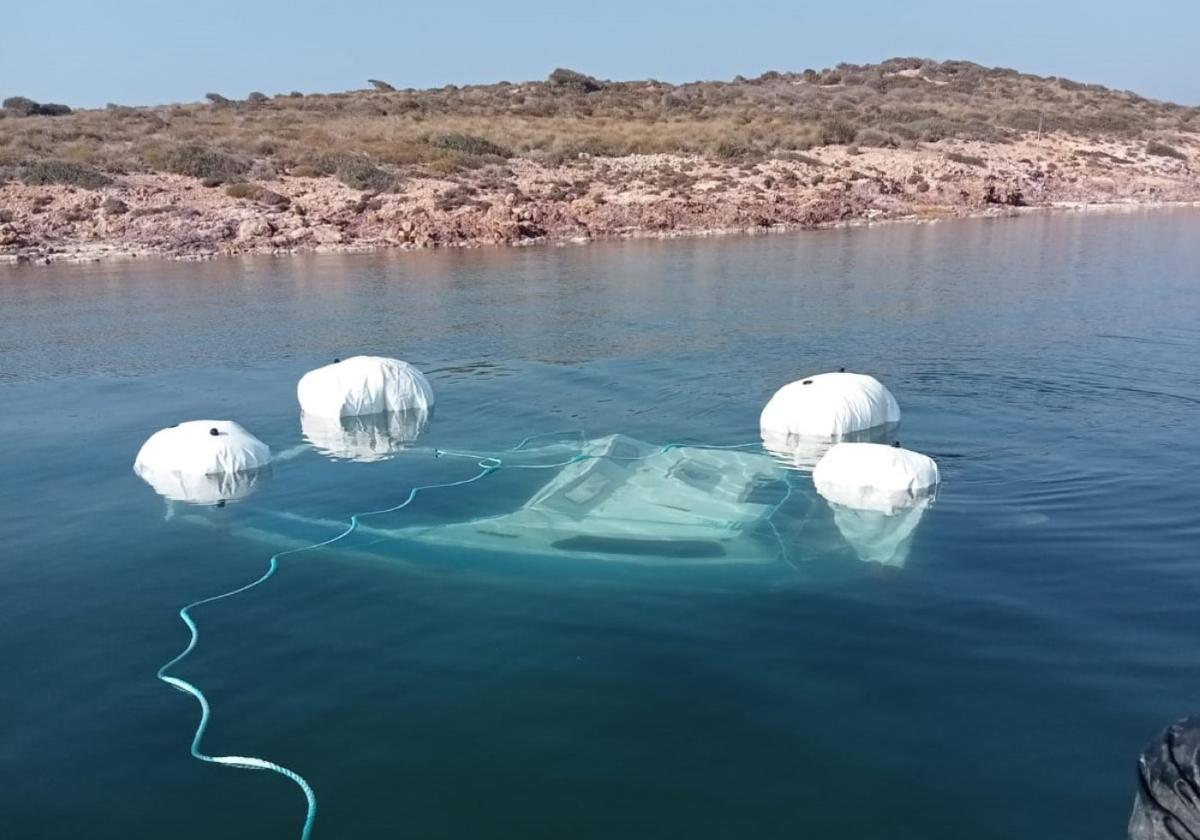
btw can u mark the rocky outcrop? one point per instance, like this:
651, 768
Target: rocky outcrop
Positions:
524, 201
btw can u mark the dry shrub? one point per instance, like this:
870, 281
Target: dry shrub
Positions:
469, 144
256, 192
365, 135
1159, 149
360, 174
197, 161
21, 106
969, 160
64, 172
837, 131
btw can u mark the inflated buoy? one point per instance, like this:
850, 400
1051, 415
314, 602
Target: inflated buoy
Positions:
805, 451
879, 495
202, 461
829, 405
872, 476
363, 385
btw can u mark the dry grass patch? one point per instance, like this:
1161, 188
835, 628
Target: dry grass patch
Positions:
371, 138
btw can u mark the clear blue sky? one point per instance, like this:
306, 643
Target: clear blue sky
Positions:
89, 52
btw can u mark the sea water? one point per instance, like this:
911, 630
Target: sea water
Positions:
998, 684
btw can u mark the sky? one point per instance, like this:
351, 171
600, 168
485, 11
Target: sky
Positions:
134, 52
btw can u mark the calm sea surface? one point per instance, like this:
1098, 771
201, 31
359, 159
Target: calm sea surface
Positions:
998, 683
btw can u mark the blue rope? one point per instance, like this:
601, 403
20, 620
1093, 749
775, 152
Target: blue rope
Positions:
487, 465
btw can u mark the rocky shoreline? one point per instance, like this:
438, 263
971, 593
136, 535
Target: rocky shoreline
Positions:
523, 202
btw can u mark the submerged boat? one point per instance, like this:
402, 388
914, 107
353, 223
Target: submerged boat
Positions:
624, 499
613, 499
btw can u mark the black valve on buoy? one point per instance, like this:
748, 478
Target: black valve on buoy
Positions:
213, 431
336, 360
895, 444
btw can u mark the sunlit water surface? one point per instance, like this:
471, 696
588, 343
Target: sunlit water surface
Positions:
998, 684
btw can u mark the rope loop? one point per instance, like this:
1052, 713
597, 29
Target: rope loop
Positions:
487, 464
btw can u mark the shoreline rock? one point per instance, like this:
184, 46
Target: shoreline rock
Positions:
523, 202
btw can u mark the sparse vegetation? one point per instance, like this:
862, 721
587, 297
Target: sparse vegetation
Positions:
968, 160
360, 174
563, 77
836, 131
469, 145
1154, 147
198, 162
256, 192
64, 172
21, 106
370, 138
874, 138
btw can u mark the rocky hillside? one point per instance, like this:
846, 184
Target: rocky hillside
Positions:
574, 157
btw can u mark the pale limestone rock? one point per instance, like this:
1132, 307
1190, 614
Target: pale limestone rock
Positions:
326, 235
254, 229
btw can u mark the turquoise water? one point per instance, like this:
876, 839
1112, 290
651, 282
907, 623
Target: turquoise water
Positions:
999, 684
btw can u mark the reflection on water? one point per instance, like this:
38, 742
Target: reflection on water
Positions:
214, 489
878, 537
364, 437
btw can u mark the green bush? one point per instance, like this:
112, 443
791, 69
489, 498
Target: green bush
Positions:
256, 96
198, 162
64, 172
380, 85
469, 144
22, 106
969, 160
1154, 147
360, 174
562, 77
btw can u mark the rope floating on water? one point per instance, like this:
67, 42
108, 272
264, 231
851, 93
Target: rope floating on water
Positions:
488, 464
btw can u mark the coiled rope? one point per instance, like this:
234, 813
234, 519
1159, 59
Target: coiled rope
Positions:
488, 464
